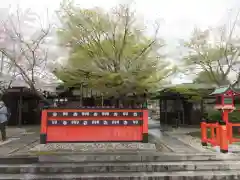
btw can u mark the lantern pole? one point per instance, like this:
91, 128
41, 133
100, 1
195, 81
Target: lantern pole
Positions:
225, 116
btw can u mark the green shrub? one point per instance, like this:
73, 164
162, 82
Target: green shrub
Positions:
215, 115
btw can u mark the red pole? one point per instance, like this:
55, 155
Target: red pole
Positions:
145, 126
218, 134
213, 141
230, 132
204, 133
225, 116
43, 131
223, 137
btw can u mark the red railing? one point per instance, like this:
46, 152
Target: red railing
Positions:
230, 127
221, 134
213, 128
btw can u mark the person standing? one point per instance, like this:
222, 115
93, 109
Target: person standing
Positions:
3, 120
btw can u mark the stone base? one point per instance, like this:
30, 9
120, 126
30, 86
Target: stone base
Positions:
93, 147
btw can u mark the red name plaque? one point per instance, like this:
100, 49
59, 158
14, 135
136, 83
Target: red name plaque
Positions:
94, 125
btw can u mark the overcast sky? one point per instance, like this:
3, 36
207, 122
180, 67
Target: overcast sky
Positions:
178, 17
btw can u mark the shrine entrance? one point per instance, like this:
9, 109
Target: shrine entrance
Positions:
175, 109
23, 105
172, 111
182, 107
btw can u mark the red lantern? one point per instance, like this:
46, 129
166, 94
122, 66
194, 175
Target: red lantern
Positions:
225, 98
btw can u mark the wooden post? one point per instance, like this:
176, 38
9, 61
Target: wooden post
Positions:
213, 139
218, 135
20, 106
223, 137
230, 132
102, 100
202, 107
145, 126
204, 132
81, 95
43, 130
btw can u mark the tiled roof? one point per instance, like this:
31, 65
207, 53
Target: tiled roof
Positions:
222, 90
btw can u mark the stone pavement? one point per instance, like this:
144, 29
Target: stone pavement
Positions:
182, 135
153, 124
19, 140
178, 139
172, 143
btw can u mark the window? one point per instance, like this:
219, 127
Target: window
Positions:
228, 100
219, 100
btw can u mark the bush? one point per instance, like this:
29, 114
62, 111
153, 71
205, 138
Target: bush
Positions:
217, 115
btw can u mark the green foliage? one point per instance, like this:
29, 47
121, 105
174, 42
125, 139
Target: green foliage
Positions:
109, 51
213, 55
193, 92
210, 78
190, 94
215, 115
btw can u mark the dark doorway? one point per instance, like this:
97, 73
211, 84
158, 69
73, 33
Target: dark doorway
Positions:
23, 106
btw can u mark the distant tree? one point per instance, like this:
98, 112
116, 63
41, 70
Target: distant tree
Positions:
214, 53
206, 78
110, 52
22, 49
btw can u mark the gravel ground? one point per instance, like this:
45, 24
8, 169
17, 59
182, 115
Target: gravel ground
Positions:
93, 147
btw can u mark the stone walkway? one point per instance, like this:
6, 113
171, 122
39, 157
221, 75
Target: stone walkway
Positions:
20, 140
182, 135
189, 140
172, 143
178, 139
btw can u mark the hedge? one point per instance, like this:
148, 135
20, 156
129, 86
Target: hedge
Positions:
217, 115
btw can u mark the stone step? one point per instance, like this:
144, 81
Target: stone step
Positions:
180, 175
136, 157
119, 167
23, 159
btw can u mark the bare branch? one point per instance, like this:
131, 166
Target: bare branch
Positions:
24, 52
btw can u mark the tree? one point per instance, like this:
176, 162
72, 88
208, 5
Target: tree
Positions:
214, 53
204, 78
23, 49
110, 52
5, 81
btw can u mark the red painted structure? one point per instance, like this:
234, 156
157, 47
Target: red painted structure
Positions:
219, 135
221, 132
94, 125
214, 135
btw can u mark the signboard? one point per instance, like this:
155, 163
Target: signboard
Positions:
94, 125
95, 122
95, 114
